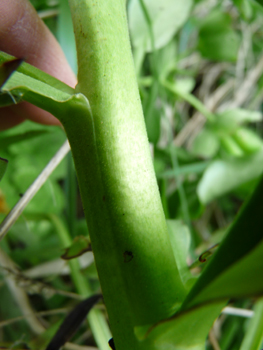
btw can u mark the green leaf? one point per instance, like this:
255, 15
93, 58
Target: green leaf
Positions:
248, 140
166, 58
241, 279
23, 87
185, 331
260, 3
217, 40
235, 270
37, 74
254, 336
3, 166
245, 8
58, 102
185, 85
230, 145
206, 144
230, 120
237, 171
165, 19
180, 240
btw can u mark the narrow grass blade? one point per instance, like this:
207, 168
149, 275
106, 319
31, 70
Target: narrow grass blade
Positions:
72, 322
254, 334
32, 190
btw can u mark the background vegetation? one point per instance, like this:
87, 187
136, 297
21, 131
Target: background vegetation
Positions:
206, 139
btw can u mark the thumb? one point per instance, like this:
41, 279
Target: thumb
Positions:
24, 35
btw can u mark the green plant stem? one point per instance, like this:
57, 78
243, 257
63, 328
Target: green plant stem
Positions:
149, 107
181, 191
71, 196
140, 281
199, 106
119, 191
151, 34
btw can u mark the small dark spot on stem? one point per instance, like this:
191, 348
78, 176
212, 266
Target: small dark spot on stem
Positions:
103, 198
128, 256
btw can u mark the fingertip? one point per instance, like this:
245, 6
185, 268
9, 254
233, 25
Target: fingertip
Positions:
9, 119
14, 115
24, 35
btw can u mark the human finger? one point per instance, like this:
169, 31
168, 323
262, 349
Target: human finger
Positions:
23, 34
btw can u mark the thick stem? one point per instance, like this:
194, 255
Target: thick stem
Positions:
138, 274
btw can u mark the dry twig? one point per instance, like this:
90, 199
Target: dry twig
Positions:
32, 190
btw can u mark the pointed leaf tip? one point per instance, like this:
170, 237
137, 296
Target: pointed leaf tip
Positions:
72, 322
